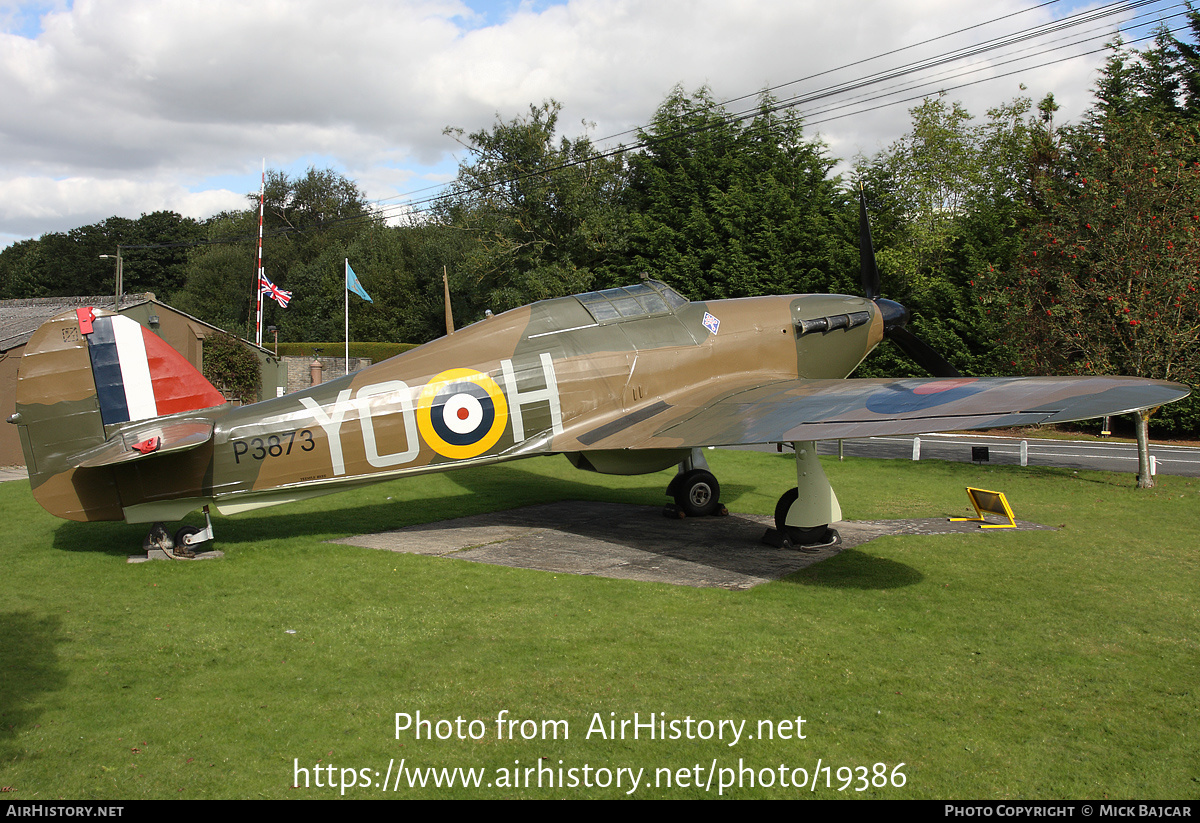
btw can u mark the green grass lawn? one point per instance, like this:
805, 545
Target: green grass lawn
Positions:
1001, 665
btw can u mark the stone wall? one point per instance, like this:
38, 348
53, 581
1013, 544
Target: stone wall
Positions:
298, 374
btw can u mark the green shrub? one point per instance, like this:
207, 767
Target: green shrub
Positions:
232, 367
375, 351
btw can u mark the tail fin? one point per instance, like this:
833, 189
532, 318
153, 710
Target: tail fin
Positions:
84, 375
137, 375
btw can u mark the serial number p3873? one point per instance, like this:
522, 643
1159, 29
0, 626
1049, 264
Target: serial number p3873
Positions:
275, 445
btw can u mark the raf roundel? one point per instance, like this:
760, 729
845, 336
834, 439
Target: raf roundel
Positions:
461, 413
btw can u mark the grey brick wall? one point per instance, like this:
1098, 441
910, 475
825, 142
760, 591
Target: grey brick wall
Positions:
299, 375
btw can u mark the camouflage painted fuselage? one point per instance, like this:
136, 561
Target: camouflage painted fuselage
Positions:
545, 378
622, 381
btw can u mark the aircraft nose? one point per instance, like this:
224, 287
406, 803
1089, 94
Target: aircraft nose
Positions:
894, 315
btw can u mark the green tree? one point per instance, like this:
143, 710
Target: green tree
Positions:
931, 175
1116, 90
947, 201
22, 267
1157, 77
721, 209
407, 277
306, 219
155, 252
313, 209
1162, 80
1108, 280
60, 264
232, 367
538, 208
219, 278
1188, 67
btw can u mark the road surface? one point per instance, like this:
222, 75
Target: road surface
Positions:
1071, 454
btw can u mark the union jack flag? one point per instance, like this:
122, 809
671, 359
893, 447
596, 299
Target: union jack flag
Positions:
265, 286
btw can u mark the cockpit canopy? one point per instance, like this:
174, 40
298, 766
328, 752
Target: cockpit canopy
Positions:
646, 299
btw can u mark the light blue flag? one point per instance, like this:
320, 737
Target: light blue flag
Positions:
355, 286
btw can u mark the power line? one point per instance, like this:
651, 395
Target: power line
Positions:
865, 60
870, 97
1085, 17
1111, 7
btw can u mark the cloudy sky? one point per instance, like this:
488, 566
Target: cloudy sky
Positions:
120, 107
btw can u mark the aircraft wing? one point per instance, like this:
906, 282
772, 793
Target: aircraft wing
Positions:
794, 410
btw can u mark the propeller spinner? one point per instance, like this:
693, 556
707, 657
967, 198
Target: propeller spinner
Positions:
895, 316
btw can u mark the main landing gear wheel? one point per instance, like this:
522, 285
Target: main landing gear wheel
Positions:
797, 536
697, 493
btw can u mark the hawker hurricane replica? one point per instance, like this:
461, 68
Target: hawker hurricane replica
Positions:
116, 425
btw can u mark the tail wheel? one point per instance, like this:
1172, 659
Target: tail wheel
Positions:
184, 548
697, 493
795, 534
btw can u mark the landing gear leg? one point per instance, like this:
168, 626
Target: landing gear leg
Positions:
189, 537
803, 514
696, 491
184, 543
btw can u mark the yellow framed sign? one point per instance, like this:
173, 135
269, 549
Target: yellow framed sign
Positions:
988, 502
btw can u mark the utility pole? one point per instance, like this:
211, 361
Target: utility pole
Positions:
120, 272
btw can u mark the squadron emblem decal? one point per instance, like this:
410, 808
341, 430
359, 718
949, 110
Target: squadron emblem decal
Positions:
461, 413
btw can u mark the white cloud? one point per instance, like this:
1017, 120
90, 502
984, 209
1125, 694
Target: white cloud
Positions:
27, 203
123, 106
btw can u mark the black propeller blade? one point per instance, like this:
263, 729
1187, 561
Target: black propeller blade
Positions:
866, 251
895, 316
921, 353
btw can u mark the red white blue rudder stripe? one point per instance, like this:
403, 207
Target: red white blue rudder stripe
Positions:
138, 376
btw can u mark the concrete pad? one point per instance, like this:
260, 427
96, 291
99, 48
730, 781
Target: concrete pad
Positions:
636, 542
13, 473
159, 554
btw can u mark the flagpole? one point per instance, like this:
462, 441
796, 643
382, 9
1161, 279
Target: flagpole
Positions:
262, 187
449, 312
346, 294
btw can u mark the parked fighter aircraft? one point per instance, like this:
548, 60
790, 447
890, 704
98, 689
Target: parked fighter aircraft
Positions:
116, 425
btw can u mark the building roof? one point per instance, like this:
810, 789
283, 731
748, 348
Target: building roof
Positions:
19, 319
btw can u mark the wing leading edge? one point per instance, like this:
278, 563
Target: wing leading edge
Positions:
793, 410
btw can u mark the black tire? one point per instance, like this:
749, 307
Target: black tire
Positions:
796, 535
697, 493
181, 546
